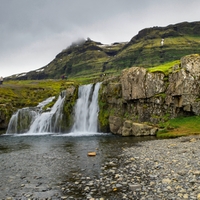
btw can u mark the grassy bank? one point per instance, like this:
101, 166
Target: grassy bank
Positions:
182, 126
29, 93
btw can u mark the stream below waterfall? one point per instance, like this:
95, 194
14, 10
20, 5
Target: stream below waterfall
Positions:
39, 166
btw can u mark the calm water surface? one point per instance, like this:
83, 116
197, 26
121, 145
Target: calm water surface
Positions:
36, 166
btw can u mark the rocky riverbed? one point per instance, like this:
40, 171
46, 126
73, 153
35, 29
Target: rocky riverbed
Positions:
158, 169
164, 169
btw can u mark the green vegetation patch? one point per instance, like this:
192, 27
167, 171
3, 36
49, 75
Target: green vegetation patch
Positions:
164, 68
29, 93
181, 126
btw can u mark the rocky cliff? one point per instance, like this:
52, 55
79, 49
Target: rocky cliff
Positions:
135, 102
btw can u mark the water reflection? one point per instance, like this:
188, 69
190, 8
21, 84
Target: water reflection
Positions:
6, 146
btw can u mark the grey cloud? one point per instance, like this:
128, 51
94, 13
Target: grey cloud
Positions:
27, 27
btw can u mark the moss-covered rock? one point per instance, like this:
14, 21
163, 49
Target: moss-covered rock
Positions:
6, 111
68, 110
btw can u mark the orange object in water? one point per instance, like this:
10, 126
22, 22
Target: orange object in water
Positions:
91, 153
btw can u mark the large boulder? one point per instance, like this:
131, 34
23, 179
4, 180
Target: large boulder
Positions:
137, 129
133, 83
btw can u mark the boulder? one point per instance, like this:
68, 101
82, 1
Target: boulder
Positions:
115, 124
91, 154
137, 129
191, 64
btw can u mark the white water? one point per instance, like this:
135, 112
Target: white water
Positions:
30, 121
86, 110
48, 121
33, 121
20, 121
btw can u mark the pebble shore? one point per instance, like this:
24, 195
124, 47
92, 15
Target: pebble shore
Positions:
152, 170
161, 169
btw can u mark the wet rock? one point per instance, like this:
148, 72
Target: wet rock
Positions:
135, 187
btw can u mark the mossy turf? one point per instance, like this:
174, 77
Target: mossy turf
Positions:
165, 68
182, 126
29, 93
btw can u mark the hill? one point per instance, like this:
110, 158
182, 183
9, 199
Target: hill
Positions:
90, 59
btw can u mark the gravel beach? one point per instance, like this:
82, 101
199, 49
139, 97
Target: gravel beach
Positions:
151, 170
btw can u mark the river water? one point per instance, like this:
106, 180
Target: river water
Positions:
38, 166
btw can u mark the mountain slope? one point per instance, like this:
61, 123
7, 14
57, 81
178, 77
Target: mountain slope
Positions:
145, 48
90, 59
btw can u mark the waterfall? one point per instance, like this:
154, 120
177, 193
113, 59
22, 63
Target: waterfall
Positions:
21, 120
49, 121
86, 109
34, 120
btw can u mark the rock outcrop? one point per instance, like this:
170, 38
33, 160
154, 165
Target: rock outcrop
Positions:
136, 129
139, 97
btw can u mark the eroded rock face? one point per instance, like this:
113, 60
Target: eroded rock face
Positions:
152, 97
133, 83
137, 83
184, 85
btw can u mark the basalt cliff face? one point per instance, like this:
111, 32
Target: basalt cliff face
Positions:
133, 103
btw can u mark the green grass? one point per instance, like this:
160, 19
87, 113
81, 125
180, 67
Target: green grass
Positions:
30, 92
164, 68
181, 126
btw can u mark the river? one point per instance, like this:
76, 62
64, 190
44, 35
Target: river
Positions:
38, 166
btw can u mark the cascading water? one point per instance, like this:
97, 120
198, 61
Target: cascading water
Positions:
49, 121
20, 121
33, 120
86, 109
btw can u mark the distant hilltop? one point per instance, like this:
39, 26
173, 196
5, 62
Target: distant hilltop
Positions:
150, 47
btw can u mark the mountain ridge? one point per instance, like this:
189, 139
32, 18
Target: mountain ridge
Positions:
88, 58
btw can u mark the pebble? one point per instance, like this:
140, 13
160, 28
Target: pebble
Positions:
160, 169
150, 172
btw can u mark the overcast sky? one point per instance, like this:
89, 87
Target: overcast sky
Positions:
33, 32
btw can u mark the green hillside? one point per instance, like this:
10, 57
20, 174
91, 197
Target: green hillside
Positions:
145, 48
89, 59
